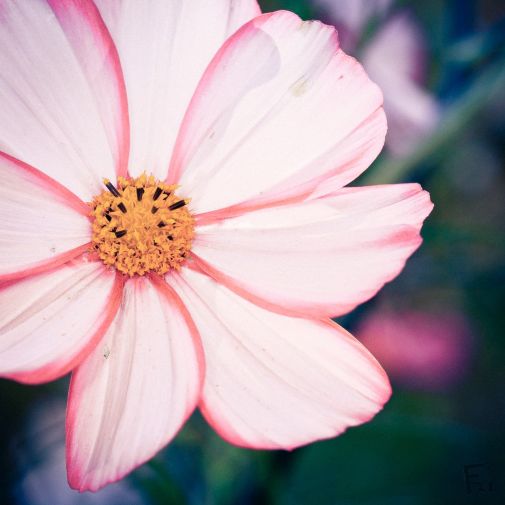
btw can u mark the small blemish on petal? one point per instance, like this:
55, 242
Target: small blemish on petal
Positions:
300, 87
305, 26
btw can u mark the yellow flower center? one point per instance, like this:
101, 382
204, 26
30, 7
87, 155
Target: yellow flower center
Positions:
141, 226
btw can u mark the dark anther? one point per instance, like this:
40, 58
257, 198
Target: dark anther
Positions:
154, 210
177, 205
140, 193
121, 207
120, 233
108, 218
112, 189
161, 224
157, 193
170, 237
167, 194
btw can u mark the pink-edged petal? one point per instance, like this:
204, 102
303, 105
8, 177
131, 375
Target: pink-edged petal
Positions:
318, 258
412, 112
279, 109
97, 54
133, 393
165, 47
50, 322
42, 225
274, 381
62, 97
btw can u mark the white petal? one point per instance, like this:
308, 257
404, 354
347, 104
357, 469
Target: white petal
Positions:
273, 381
62, 98
165, 46
42, 223
279, 108
131, 396
51, 321
320, 257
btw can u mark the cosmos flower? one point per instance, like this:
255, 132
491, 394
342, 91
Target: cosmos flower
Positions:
395, 58
175, 227
419, 349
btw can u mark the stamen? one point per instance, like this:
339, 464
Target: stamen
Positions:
111, 187
177, 205
152, 233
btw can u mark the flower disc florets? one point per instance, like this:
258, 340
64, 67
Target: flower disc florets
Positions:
141, 226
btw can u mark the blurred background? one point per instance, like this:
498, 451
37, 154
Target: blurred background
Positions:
438, 329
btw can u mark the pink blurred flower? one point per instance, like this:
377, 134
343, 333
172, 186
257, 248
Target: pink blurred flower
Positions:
352, 17
395, 58
220, 299
419, 349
